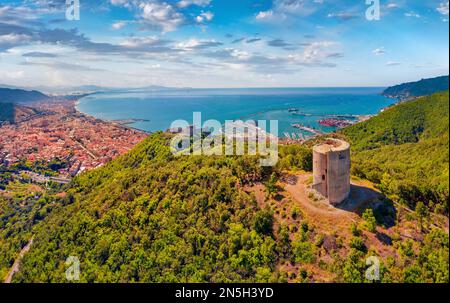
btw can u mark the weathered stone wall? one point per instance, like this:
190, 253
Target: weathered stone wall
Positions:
338, 176
320, 178
331, 170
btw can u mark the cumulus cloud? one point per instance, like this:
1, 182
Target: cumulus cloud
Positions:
13, 36
155, 15
204, 16
160, 16
165, 16
283, 9
316, 54
443, 8
264, 15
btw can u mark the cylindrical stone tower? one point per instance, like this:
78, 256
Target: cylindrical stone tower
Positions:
331, 170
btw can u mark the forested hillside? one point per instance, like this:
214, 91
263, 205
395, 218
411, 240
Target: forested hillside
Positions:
405, 151
150, 217
420, 88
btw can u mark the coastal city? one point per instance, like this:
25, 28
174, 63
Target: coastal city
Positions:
55, 130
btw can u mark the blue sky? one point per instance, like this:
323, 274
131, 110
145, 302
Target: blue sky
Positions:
222, 43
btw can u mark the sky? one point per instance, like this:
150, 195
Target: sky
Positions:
222, 43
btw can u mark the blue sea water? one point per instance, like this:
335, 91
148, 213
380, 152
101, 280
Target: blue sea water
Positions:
160, 108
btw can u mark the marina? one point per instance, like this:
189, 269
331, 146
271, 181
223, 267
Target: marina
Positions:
154, 111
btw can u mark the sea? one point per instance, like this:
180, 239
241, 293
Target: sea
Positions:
154, 110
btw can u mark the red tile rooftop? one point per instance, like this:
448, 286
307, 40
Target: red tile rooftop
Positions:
57, 135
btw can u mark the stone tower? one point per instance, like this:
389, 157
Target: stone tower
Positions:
331, 170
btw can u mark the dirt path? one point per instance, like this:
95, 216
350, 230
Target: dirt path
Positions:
326, 218
16, 266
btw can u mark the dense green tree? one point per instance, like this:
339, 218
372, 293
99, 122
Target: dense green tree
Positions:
369, 220
271, 185
404, 150
422, 213
263, 222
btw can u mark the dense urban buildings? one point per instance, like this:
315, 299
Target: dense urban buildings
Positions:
57, 131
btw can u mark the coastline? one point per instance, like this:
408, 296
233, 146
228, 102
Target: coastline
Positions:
121, 123
61, 133
323, 112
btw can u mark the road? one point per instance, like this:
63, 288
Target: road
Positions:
16, 266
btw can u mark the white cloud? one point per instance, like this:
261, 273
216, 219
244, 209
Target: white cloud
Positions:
316, 50
192, 44
12, 75
412, 14
379, 51
186, 3
135, 42
119, 25
392, 63
13, 38
118, 2
342, 15
297, 7
264, 15
205, 16
125, 3
161, 15
392, 5
315, 53
3, 10
443, 8
283, 9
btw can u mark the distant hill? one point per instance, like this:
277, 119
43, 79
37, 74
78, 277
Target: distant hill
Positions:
96, 89
405, 151
6, 112
416, 89
9, 95
13, 113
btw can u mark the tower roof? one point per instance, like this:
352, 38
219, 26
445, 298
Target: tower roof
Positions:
331, 145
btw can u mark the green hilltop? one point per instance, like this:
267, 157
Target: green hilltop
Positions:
405, 151
151, 217
148, 216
